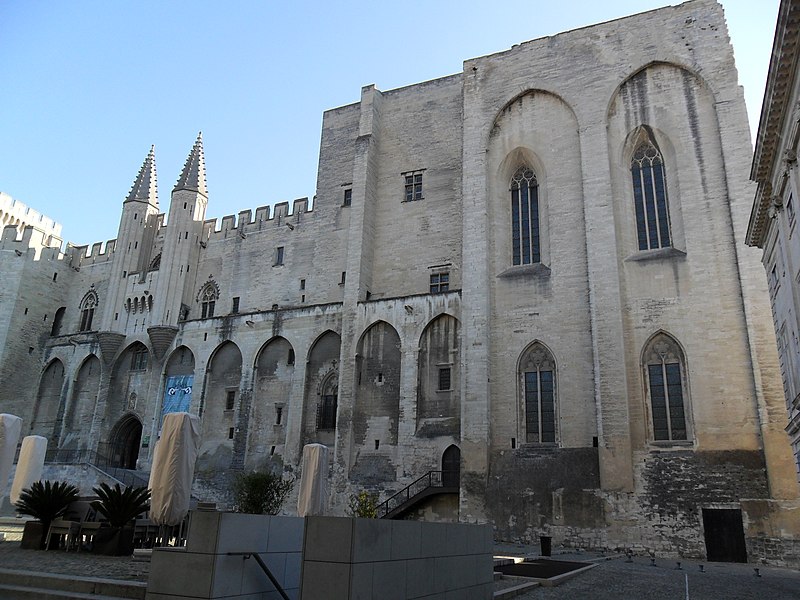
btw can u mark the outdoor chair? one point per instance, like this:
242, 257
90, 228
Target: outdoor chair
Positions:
68, 529
86, 533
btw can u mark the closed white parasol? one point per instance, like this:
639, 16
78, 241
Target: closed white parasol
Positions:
313, 496
29, 465
10, 428
173, 468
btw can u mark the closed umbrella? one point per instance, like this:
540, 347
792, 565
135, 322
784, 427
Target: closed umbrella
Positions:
10, 428
173, 468
313, 496
29, 465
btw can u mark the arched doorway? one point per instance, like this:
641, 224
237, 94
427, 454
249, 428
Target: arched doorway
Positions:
124, 442
451, 466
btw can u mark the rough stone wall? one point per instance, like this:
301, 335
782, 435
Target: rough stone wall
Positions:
532, 490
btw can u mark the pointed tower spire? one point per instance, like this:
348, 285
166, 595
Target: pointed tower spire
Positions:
193, 176
145, 188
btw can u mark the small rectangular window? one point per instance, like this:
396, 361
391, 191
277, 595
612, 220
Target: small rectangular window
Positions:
124, 274
302, 284
230, 398
348, 197
139, 359
413, 186
55, 276
230, 433
278, 414
344, 277
290, 358
444, 379
440, 282
235, 306
278, 256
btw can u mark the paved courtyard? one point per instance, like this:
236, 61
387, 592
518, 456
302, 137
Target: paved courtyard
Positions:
82, 564
612, 579
615, 579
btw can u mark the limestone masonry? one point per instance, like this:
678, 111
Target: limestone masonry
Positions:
528, 278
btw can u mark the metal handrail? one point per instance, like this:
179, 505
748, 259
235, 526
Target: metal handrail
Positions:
264, 568
127, 477
416, 487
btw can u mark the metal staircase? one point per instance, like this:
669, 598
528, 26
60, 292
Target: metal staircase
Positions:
430, 484
126, 477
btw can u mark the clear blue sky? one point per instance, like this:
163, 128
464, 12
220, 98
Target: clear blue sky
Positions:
88, 86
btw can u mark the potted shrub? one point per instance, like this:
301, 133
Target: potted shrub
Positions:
260, 493
44, 501
119, 507
363, 504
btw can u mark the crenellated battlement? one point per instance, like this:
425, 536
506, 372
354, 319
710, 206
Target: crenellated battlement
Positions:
15, 213
99, 251
245, 221
44, 244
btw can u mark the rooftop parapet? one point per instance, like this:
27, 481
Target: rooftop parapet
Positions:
245, 220
99, 250
31, 238
12, 210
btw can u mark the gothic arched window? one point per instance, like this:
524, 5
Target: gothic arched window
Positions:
525, 217
650, 197
88, 305
537, 372
326, 410
208, 300
664, 372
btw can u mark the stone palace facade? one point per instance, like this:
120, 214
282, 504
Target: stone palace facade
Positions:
530, 273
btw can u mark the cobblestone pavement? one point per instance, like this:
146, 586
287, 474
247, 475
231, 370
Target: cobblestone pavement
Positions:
616, 579
83, 564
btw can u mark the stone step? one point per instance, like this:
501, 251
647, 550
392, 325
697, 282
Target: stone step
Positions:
15, 592
11, 528
68, 584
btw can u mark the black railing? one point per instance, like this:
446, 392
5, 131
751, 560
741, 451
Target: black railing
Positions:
61, 456
264, 568
99, 459
431, 479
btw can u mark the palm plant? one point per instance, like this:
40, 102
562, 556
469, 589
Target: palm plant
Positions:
46, 501
120, 506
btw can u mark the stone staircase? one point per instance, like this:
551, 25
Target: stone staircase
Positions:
30, 585
11, 528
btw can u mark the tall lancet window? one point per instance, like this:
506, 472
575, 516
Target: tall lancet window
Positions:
650, 197
209, 295
538, 386
525, 217
88, 304
665, 372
